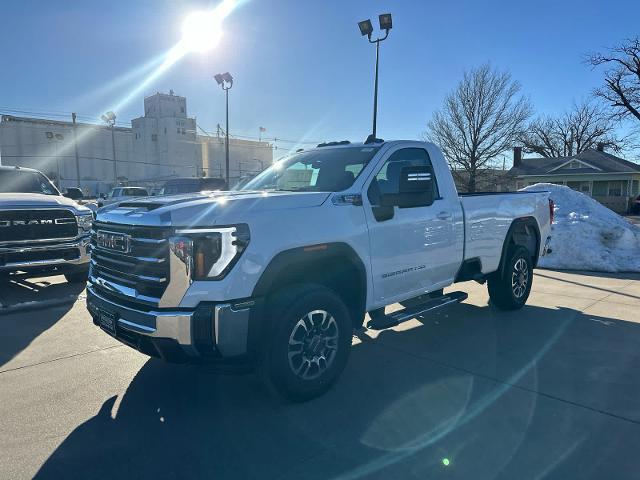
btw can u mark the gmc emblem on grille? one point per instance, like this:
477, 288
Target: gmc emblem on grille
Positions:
119, 242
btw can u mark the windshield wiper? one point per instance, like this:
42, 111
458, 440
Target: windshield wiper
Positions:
299, 189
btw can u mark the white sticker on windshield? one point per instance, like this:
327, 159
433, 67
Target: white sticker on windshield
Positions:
366, 149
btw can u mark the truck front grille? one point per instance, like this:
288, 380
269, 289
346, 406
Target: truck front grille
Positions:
24, 225
143, 269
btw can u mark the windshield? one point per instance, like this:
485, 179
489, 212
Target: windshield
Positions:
134, 192
21, 181
319, 170
177, 188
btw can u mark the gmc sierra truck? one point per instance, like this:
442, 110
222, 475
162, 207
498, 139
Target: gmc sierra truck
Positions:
41, 232
279, 273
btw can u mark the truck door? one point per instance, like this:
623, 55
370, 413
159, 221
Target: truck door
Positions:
413, 249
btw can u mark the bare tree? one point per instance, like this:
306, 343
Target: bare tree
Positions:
582, 127
478, 121
621, 88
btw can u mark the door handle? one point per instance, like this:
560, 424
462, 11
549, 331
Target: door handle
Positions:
443, 215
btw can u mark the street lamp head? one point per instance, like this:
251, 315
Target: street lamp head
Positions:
227, 77
365, 27
385, 21
109, 117
219, 78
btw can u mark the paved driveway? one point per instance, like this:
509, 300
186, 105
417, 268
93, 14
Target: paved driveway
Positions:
551, 391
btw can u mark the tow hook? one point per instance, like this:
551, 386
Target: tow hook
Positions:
547, 247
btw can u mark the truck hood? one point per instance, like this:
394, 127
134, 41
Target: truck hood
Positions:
39, 200
206, 208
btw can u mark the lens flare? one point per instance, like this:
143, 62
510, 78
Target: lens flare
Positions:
201, 31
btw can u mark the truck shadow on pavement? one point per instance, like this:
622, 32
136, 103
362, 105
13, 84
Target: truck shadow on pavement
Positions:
468, 393
30, 307
587, 283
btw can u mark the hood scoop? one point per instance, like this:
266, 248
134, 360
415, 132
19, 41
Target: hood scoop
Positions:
148, 206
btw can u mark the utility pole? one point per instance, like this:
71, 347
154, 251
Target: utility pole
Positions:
55, 143
75, 147
110, 119
113, 147
225, 80
226, 143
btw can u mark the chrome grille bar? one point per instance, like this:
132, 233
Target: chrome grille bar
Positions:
140, 270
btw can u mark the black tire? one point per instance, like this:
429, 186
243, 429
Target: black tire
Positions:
77, 277
510, 290
296, 376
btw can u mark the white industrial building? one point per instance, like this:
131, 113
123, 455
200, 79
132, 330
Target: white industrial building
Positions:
162, 144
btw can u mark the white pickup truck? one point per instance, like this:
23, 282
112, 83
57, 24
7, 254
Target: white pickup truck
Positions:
120, 194
41, 232
280, 273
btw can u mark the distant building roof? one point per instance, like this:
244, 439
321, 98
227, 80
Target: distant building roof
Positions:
592, 161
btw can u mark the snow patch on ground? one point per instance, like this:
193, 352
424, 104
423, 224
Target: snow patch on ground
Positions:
586, 235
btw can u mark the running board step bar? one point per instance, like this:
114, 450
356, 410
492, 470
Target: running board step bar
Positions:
381, 322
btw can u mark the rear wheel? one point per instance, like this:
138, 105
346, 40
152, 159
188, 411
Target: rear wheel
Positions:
510, 289
309, 343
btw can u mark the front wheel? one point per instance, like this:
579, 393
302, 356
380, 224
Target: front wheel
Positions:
309, 343
510, 289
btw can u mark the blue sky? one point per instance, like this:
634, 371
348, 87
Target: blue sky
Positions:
302, 70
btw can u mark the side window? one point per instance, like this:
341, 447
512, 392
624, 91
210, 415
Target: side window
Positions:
387, 179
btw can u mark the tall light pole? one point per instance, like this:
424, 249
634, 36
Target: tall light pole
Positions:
75, 148
110, 119
57, 137
225, 80
367, 29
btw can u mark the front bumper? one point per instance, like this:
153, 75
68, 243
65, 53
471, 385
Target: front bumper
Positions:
64, 256
218, 330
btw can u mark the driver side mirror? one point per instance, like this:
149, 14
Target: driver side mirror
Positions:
73, 194
415, 189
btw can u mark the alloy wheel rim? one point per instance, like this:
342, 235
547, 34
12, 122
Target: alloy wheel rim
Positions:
519, 278
313, 344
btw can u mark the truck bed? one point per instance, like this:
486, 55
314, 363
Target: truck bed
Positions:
488, 216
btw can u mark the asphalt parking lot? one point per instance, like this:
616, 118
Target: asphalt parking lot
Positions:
551, 391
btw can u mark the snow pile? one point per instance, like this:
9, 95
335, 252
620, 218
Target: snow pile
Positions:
586, 235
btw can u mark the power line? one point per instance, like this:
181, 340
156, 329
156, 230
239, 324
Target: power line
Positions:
58, 114
102, 159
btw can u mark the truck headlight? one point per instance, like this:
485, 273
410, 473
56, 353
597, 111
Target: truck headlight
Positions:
216, 250
84, 222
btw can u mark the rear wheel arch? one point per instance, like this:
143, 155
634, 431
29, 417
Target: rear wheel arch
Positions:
523, 232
